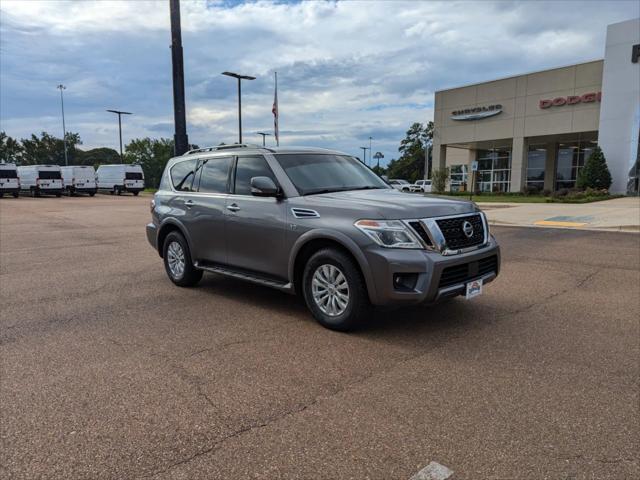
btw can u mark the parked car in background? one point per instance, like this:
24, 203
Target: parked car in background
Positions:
41, 179
398, 184
9, 181
120, 178
79, 179
320, 223
423, 186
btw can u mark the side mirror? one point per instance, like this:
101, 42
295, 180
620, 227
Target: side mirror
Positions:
264, 187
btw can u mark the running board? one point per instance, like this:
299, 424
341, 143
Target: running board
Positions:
286, 287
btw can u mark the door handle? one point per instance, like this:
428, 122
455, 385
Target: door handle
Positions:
233, 207
189, 203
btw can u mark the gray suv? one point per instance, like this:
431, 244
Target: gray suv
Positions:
318, 222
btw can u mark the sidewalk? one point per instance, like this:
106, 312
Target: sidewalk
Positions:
620, 214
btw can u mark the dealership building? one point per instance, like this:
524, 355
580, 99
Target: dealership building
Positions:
536, 130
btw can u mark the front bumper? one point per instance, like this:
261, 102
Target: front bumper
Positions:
385, 264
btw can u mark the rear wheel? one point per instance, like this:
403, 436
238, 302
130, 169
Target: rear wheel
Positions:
135, 194
334, 290
118, 191
16, 194
58, 195
177, 261
92, 194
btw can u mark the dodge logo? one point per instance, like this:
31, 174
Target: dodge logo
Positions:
467, 228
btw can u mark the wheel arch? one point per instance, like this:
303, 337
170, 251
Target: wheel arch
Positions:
312, 241
172, 225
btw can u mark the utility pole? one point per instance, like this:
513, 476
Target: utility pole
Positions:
120, 113
180, 139
263, 136
64, 128
240, 78
427, 171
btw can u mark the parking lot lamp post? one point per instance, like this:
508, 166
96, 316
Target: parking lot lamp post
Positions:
240, 78
64, 128
263, 136
364, 154
120, 113
370, 149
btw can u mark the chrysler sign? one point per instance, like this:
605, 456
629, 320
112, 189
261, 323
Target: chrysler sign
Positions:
570, 100
476, 113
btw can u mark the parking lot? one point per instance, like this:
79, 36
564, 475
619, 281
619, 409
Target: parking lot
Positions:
110, 371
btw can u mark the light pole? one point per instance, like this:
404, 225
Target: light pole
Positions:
364, 154
378, 156
240, 78
370, 150
64, 128
180, 138
120, 113
263, 136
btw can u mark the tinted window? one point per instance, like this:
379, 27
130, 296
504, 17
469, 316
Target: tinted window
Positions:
133, 175
182, 175
322, 173
247, 168
215, 175
49, 175
8, 174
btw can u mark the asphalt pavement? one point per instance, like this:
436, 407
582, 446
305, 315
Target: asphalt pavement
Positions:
108, 370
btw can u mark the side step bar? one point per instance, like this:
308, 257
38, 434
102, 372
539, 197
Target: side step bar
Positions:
250, 277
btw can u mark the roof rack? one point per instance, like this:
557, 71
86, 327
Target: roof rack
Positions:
225, 147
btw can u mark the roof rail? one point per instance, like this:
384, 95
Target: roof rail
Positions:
224, 147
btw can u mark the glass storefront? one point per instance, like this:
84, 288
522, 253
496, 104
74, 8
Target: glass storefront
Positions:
494, 170
536, 160
458, 182
571, 158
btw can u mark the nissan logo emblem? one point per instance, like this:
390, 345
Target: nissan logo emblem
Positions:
467, 228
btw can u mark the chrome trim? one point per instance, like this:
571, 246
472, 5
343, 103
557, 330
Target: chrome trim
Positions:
437, 238
304, 213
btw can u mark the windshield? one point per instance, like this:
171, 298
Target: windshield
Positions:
5, 173
133, 176
313, 173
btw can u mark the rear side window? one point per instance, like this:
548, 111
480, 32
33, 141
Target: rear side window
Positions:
133, 175
182, 175
8, 174
248, 167
49, 175
215, 175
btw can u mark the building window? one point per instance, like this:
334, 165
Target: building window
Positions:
571, 158
536, 160
458, 177
494, 170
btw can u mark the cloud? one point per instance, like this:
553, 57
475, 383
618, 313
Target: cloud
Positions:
346, 70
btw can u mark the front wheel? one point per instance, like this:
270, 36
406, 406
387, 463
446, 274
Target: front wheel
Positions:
92, 194
16, 194
334, 290
177, 261
135, 194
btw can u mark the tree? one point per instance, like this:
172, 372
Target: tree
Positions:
152, 155
48, 149
595, 173
410, 165
10, 149
97, 156
439, 180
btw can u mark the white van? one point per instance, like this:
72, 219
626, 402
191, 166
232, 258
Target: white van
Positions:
41, 179
120, 178
79, 179
9, 181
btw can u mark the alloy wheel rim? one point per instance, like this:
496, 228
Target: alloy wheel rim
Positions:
330, 290
175, 259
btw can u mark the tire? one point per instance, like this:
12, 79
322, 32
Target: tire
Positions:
189, 275
92, 194
16, 194
111, 192
34, 192
323, 265
118, 191
135, 194
58, 195
1, 194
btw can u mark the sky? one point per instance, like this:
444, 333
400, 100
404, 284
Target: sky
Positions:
347, 71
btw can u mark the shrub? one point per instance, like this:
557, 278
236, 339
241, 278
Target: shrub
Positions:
439, 180
595, 173
531, 190
546, 192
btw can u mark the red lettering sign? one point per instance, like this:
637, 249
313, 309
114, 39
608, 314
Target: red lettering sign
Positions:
570, 100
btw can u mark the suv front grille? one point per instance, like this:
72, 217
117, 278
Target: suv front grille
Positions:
420, 230
454, 235
468, 271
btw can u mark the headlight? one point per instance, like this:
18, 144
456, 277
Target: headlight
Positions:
389, 234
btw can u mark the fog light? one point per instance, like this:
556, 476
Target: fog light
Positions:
405, 282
